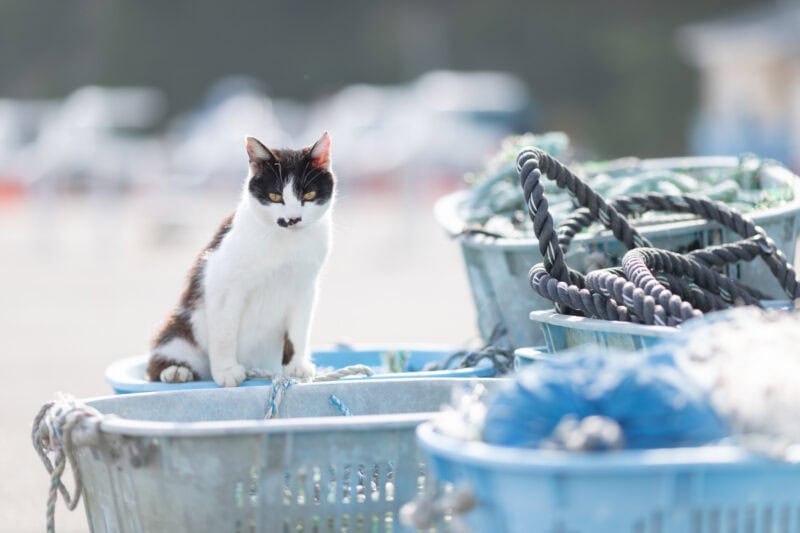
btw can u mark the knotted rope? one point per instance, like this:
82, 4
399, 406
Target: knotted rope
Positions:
653, 286
52, 432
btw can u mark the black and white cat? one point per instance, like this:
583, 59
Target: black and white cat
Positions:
250, 295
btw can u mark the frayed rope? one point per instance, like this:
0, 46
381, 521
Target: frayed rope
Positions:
52, 431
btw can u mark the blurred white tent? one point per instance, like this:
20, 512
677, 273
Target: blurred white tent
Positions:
443, 123
94, 139
207, 145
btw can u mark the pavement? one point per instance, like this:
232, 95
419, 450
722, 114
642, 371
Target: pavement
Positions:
86, 280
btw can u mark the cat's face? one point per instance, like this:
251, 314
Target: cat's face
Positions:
294, 188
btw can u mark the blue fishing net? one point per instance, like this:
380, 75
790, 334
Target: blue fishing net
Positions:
653, 402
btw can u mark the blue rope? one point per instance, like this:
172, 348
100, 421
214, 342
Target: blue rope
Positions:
279, 387
339, 404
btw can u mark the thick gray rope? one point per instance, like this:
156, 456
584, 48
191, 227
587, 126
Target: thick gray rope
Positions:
756, 242
548, 278
532, 163
649, 299
638, 292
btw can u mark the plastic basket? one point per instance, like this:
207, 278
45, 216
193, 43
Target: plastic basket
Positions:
524, 357
205, 460
128, 375
498, 268
711, 489
562, 332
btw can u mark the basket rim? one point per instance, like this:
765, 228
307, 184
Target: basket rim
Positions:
124, 376
112, 424
446, 208
593, 324
234, 428
520, 460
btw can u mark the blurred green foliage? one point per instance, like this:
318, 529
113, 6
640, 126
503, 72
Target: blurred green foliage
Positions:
606, 72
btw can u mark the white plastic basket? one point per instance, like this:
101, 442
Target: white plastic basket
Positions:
206, 460
708, 489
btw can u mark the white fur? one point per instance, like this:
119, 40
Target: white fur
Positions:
176, 374
259, 284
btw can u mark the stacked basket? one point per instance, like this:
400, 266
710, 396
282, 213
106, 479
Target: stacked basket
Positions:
703, 489
498, 267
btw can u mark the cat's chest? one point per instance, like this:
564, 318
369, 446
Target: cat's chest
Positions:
285, 259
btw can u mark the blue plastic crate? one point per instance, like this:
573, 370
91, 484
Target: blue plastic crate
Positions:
679, 490
128, 375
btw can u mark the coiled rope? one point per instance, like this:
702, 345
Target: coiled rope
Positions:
652, 286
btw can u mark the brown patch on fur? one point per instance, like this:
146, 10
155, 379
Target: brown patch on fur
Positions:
223, 230
158, 363
194, 290
288, 349
179, 325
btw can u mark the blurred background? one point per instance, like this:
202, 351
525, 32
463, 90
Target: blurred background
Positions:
121, 148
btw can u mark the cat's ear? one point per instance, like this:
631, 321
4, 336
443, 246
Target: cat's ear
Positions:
257, 152
321, 152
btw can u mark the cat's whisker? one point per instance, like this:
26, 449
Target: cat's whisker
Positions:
309, 178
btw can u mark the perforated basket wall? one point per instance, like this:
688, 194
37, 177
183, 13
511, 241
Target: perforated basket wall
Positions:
711, 489
205, 460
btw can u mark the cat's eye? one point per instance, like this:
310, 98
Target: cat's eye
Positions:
274, 197
310, 195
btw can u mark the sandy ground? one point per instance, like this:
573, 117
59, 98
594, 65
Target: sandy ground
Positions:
85, 281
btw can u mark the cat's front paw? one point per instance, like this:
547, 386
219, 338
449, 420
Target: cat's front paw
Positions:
231, 376
176, 374
301, 369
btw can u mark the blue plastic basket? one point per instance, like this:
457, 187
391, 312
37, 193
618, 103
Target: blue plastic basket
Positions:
128, 375
527, 356
711, 489
563, 332
497, 268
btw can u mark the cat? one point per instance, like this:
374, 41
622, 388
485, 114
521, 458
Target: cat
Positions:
251, 293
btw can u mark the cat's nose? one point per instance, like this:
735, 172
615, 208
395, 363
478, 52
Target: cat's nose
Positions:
285, 223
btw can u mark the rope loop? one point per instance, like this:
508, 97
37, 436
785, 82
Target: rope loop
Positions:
652, 286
